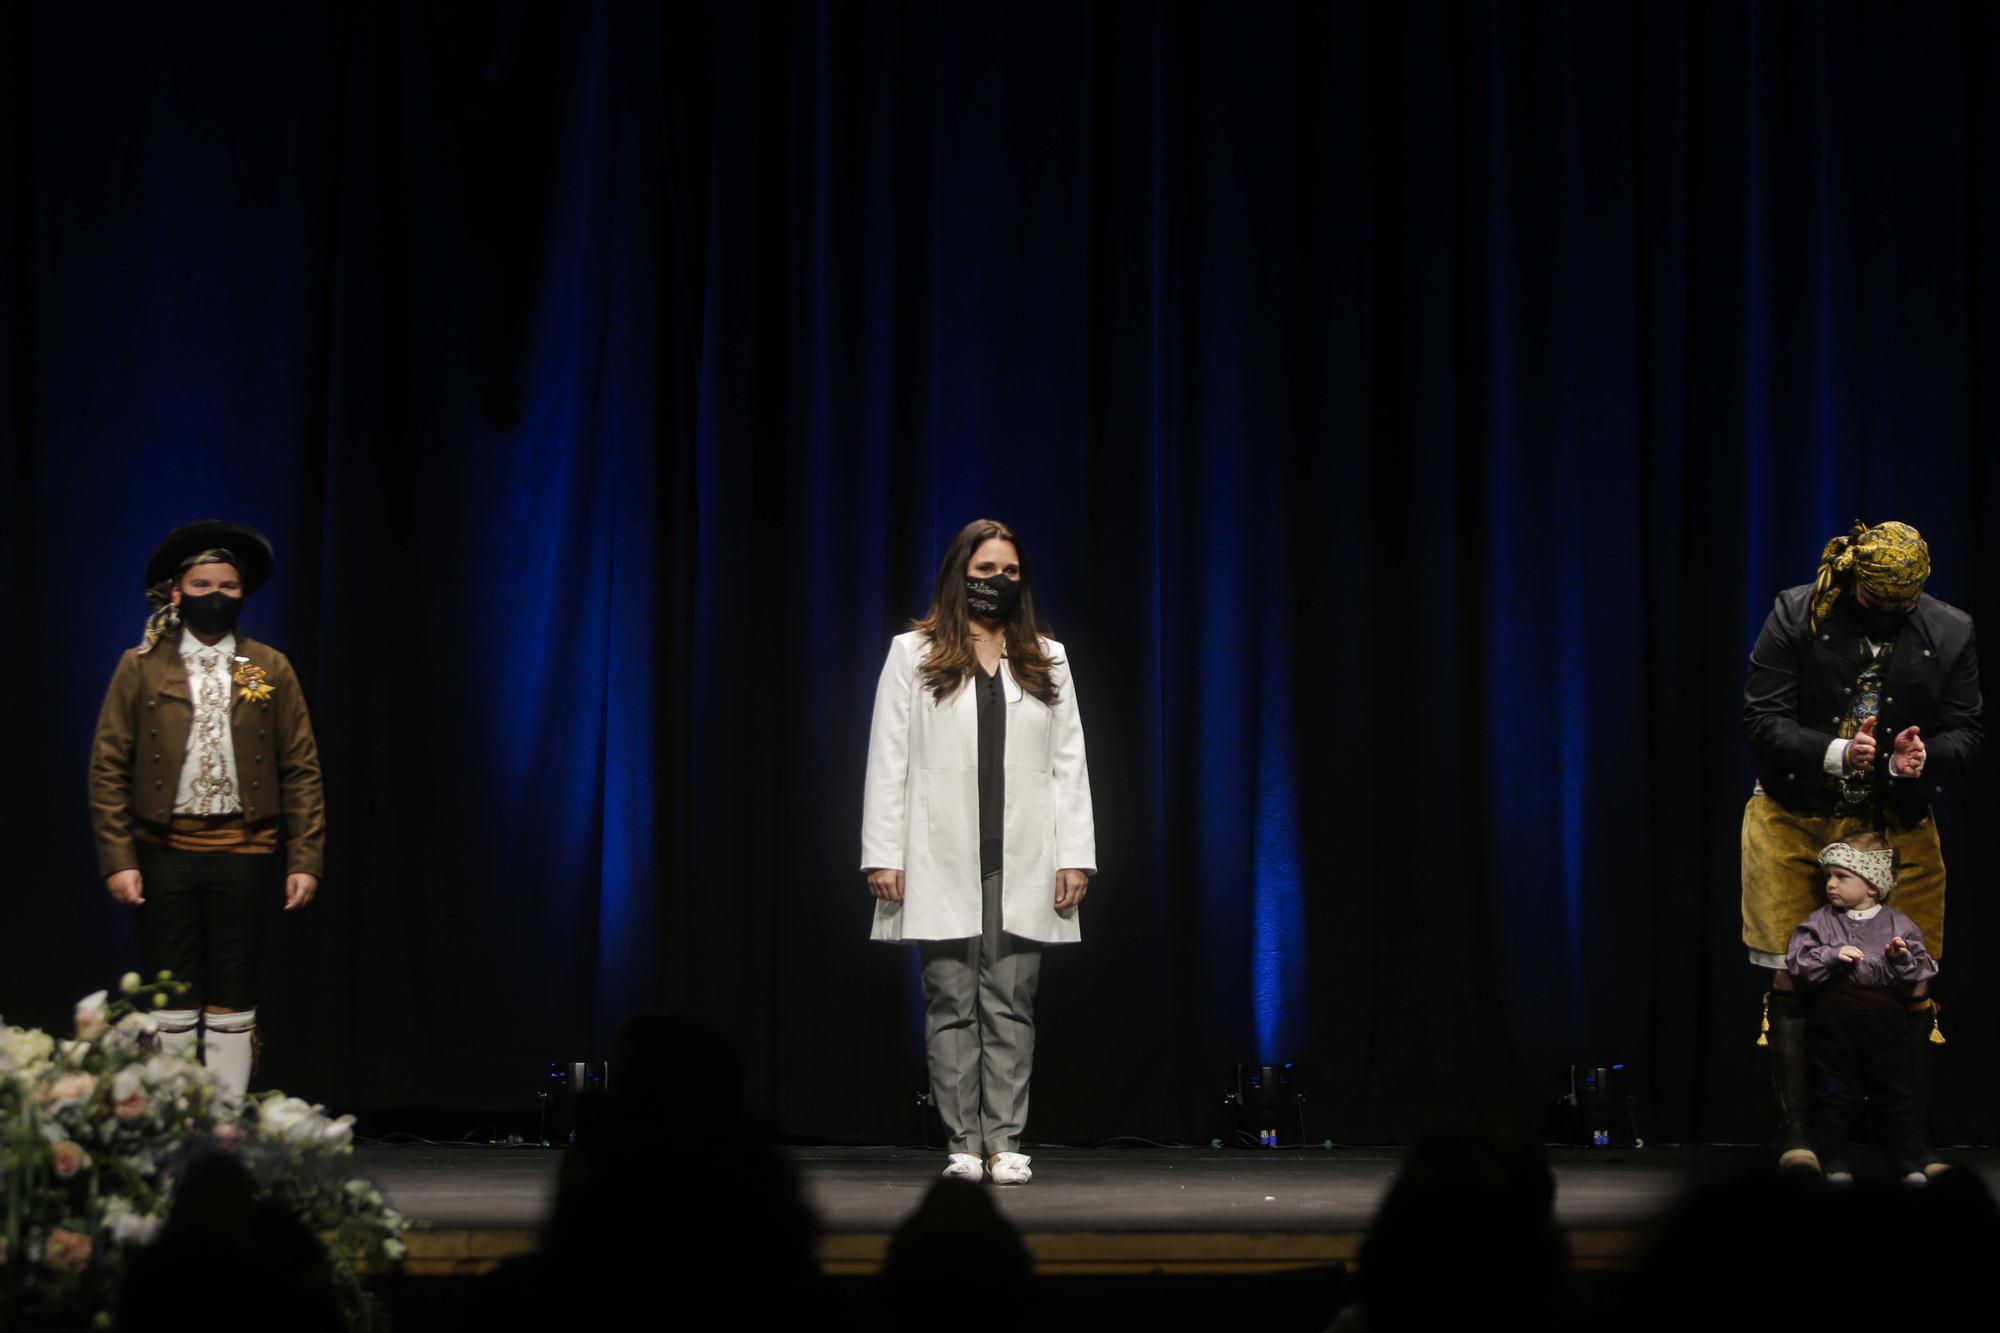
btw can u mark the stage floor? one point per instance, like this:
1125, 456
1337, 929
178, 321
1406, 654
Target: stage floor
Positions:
1087, 1211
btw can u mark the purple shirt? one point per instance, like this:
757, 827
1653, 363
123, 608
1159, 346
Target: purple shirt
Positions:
1814, 955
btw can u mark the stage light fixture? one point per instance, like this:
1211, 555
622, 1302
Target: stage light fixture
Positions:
1597, 1108
564, 1097
1266, 1105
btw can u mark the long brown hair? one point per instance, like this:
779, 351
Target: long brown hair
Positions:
950, 661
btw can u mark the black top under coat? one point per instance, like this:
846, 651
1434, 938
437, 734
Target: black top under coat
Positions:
992, 765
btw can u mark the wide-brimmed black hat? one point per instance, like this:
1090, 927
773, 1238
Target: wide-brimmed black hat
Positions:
251, 549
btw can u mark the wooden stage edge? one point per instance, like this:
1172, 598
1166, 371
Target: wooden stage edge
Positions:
470, 1253
1122, 1212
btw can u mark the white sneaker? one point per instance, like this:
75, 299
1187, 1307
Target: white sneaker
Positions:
1840, 1177
1010, 1168
965, 1166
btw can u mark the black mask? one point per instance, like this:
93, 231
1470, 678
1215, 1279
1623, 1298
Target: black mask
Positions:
211, 613
1878, 625
993, 598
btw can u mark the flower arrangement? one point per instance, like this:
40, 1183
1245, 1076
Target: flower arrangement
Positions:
95, 1130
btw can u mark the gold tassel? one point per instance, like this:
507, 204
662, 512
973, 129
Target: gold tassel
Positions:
1937, 1033
1763, 1040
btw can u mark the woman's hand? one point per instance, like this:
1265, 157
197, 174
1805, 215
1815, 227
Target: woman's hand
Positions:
1071, 885
886, 885
126, 887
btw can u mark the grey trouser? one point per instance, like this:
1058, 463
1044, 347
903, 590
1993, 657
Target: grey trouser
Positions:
979, 1029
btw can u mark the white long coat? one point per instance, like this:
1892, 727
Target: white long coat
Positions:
920, 808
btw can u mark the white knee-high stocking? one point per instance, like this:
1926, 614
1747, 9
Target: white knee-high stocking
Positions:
226, 1052
177, 1030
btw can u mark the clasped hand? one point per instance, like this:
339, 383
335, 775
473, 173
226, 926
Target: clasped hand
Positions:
1898, 948
1907, 760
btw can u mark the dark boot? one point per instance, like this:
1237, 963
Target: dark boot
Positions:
1925, 1037
1791, 1080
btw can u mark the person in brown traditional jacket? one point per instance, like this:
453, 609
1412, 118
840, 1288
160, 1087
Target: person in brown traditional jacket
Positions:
204, 749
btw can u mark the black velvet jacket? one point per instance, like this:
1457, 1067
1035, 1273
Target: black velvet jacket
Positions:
1799, 686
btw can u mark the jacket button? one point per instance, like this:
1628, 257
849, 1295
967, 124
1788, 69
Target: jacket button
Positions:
156, 756
255, 781
1848, 690
1791, 777
152, 703
157, 784
1927, 652
1891, 699
1826, 638
261, 733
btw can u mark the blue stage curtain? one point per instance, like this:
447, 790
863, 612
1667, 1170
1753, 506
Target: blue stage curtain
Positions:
1410, 411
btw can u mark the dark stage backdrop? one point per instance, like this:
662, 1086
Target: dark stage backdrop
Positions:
1410, 411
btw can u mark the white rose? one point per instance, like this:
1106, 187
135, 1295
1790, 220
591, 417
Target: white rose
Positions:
129, 1036
90, 1016
28, 1049
306, 1126
128, 1227
280, 1117
131, 1079
174, 1071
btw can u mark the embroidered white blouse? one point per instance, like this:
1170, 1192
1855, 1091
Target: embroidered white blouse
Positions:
208, 783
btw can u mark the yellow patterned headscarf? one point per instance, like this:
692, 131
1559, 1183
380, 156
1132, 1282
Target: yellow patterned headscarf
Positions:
1889, 562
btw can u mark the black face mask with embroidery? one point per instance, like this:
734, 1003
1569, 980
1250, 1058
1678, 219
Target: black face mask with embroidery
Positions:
1878, 625
994, 598
210, 613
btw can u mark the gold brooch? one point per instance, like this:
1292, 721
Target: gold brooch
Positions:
252, 685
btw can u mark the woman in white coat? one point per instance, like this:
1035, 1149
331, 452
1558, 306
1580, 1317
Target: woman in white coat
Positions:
976, 833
